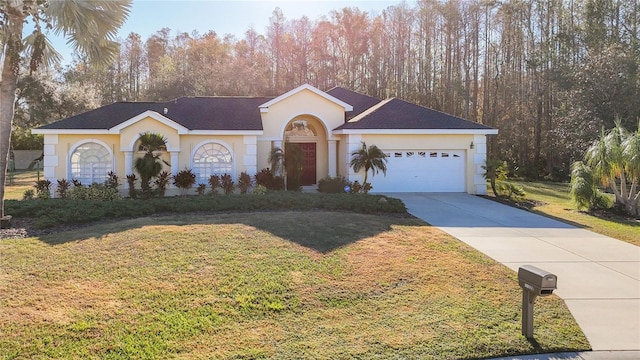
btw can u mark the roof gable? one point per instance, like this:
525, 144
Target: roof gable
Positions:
265, 107
360, 102
149, 114
396, 114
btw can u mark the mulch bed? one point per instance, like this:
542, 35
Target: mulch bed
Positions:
525, 204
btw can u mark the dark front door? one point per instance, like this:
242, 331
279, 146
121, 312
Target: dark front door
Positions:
305, 154
308, 163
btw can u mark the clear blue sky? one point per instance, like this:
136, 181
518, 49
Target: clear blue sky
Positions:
224, 16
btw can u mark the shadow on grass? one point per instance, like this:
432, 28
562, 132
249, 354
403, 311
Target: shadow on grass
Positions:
321, 231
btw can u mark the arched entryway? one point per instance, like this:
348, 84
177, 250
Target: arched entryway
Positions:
307, 134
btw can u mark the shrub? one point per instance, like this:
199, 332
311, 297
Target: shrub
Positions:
201, 189
63, 188
333, 184
259, 190
112, 180
131, 182
162, 181
43, 189
227, 184
28, 194
266, 178
76, 182
97, 192
244, 183
70, 211
356, 188
510, 190
214, 183
184, 180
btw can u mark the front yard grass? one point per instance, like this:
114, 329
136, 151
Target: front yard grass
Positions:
557, 203
287, 285
21, 180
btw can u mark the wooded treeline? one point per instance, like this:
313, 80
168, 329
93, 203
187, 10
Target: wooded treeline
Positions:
549, 74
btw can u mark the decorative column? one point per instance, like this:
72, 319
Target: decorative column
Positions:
175, 168
251, 154
353, 144
50, 160
479, 159
331, 153
128, 166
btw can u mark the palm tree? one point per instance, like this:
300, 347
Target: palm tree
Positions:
614, 160
288, 164
369, 158
90, 26
150, 165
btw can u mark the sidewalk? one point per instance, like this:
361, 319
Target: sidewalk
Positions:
598, 276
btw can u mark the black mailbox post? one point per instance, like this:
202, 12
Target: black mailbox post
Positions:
534, 282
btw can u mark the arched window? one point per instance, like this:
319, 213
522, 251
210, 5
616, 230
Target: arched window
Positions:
211, 159
300, 128
90, 163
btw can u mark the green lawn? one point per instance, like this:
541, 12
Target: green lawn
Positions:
22, 180
558, 204
286, 285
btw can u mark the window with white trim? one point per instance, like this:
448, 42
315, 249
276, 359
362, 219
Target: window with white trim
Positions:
211, 159
90, 163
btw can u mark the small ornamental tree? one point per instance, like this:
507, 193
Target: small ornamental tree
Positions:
614, 162
369, 158
150, 165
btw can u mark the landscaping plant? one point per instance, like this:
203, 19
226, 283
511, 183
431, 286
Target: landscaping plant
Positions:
149, 166
162, 181
244, 183
214, 183
184, 180
368, 158
43, 189
131, 182
227, 184
333, 184
613, 161
63, 188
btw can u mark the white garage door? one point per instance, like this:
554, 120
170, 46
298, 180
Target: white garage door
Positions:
422, 171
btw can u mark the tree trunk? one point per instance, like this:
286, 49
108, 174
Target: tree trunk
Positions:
10, 67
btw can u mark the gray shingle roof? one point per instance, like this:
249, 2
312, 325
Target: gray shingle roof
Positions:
194, 113
360, 102
243, 113
399, 114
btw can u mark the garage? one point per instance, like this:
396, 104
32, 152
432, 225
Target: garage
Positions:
422, 170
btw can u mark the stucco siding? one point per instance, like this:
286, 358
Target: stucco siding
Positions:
305, 102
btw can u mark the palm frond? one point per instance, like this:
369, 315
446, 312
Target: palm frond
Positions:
631, 153
582, 186
91, 26
40, 51
151, 141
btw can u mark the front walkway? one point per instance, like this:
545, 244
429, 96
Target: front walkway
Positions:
598, 276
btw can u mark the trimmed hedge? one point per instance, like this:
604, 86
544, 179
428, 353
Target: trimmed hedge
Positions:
54, 212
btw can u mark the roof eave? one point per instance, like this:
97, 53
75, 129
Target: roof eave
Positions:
416, 131
40, 131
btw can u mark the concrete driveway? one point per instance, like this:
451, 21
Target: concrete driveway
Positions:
598, 276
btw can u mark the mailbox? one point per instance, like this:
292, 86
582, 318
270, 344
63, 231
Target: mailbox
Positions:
534, 282
538, 281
